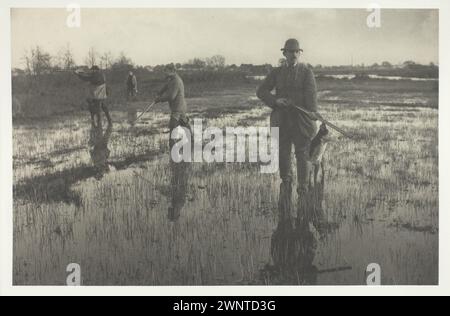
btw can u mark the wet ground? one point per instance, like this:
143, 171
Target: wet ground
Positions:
111, 201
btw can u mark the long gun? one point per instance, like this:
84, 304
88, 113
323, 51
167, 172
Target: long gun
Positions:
143, 112
163, 89
321, 119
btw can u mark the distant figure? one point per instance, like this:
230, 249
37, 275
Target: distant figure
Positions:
132, 90
173, 92
131, 85
97, 93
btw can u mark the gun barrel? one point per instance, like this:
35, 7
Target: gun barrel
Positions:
338, 129
145, 111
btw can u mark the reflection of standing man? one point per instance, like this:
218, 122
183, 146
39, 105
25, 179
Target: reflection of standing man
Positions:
294, 85
293, 249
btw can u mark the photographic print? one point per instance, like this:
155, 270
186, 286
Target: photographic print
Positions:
220, 146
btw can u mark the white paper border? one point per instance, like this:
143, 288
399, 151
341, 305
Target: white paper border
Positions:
6, 215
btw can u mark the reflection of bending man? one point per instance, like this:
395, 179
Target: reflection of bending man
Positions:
98, 149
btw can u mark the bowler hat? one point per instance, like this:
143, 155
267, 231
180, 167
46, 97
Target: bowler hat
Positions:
292, 44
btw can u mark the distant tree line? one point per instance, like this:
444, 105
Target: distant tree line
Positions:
37, 61
382, 66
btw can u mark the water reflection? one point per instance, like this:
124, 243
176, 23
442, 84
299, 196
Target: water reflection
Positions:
98, 149
178, 188
293, 251
294, 243
56, 186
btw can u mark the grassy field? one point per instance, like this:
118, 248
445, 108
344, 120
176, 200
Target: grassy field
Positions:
381, 189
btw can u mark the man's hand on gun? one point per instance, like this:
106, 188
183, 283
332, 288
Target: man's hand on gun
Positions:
315, 116
283, 103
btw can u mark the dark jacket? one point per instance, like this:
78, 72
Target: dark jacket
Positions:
298, 85
132, 82
173, 92
97, 80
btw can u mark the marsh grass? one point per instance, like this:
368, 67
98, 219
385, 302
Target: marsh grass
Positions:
381, 189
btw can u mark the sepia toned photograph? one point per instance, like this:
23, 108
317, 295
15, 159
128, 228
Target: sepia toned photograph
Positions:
225, 147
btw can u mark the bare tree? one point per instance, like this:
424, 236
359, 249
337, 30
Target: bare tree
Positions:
37, 61
65, 58
28, 64
123, 62
217, 61
197, 63
386, 64
91, 58
106, 60
123, 59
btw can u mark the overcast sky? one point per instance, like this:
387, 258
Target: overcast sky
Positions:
159, 36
